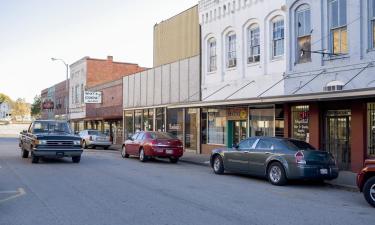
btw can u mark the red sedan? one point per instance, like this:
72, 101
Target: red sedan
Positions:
153, 144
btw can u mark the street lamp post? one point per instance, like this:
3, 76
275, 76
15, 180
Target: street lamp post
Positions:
67, 86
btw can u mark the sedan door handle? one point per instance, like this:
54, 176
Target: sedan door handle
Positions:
246, 152
267, 153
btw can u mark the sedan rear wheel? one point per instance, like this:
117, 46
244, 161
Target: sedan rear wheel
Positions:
276, 174
142, 156
369, 191
218, 165
123, 152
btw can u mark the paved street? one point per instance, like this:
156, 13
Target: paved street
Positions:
105, 189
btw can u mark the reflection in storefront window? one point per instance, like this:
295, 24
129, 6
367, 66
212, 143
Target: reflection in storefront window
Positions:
175, 121
262, 121
191, 133
138, 120
204, 131
216, 126
159, 120
148, 119
300, 122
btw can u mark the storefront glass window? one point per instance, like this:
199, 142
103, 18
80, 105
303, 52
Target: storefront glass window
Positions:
191, 132
175, 121
129, 125
148, 119
159, 120
262, 121
204, 131
371, 129
300, 122
279, 121
138, 120
216, 126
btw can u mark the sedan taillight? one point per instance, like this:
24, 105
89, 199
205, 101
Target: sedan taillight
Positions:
300, 158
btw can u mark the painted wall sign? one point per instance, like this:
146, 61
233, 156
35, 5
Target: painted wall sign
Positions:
93, 97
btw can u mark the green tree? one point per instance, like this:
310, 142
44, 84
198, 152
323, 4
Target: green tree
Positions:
36, 107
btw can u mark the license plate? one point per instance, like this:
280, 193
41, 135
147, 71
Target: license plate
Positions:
60, 154
169, 151
323, 171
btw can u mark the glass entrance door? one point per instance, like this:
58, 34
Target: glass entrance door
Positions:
237, 132
338, 136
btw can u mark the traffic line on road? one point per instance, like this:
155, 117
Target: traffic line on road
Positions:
15, 194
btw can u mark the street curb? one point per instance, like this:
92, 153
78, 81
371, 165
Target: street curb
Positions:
194, 163
102, 150
343, 187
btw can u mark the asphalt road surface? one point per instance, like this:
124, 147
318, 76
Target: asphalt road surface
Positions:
105, 189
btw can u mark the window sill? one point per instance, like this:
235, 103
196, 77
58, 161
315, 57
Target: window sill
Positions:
332, 58
211, 72
277, 58
253, 64
231, 68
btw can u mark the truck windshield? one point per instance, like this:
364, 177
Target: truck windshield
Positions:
51, 127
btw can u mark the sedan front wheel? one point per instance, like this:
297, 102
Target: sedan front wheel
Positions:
123, 152
142, 156
218, 165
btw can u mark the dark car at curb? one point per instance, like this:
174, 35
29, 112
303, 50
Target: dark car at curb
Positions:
147, 144
366, 181
277, 159
50, 139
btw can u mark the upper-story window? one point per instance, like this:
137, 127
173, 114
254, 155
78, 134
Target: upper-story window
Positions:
277, 37
76, 100
338, 26
231, 50
372, 22
211, 55
253, 39
303, 28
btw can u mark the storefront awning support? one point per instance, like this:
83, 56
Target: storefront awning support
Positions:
363, 69
253, 81
278, 82
316, 76
217, 91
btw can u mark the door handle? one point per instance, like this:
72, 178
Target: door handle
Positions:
246, 152
267, 153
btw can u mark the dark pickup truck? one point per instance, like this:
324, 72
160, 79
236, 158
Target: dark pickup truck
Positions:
50, 139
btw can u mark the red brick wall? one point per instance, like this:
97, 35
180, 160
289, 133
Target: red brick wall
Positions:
111, 106
103, 71
314, 125
61, 94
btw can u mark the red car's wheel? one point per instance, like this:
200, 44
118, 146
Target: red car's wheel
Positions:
142, 156
123, 152
369, 191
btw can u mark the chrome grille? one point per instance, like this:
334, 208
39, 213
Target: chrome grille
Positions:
60, 144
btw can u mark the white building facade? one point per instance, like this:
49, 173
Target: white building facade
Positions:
243, 61
5, 110
77, 84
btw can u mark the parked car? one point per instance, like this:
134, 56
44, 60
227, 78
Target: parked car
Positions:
366, 181
146, 145
94, 138
278, 159
50, 139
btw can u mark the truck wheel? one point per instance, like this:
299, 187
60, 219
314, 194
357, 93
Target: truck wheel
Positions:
34, 159
369, 191
76, 159
25, 153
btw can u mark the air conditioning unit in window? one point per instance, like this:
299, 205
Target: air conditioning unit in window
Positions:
253, 59
232, 63
334, 86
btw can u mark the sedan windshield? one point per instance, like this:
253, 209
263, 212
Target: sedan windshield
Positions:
160, 135
298, 145
51, 127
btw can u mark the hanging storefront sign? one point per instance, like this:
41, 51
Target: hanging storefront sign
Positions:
92, 97
48, 104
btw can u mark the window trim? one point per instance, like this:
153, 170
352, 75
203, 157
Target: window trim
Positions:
250, 46
371, 24
211, 58
303, 8
229, 51
274, 40
340, 27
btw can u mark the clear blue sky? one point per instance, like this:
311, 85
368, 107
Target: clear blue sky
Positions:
33, 31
